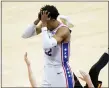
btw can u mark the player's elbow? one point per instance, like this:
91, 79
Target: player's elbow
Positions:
25, 36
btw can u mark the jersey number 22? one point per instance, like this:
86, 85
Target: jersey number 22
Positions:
48, 52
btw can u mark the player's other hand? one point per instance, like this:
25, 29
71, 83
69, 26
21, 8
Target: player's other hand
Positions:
26, 59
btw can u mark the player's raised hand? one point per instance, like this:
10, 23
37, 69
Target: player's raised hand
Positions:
44, 17
26, 59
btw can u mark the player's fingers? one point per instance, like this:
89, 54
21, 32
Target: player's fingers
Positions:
26, 54
82, 73
41, 13
40, 9
48, 13
45, 12
82, 78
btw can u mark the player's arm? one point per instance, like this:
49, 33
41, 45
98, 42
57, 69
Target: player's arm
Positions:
32, 29
49, 42
30, 73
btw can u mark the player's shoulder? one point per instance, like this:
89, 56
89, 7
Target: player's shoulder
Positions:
63, 29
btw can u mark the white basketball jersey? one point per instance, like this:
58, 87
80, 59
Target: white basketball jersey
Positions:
59, 54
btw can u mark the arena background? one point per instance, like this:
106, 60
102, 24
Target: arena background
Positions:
89, 39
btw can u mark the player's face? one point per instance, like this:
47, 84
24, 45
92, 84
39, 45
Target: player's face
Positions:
49, 25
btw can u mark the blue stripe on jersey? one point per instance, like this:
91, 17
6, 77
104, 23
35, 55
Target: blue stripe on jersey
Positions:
65, 57
65, 51
69, 76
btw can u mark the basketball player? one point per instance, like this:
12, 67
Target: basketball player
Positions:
56, 45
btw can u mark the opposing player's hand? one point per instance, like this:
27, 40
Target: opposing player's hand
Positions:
85, 77
44, 17
26, 59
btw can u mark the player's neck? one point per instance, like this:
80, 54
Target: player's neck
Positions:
55, 24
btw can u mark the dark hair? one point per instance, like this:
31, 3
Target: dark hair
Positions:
51, 9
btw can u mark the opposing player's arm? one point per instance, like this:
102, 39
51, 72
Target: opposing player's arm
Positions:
30, 73
49, 42
86, 77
